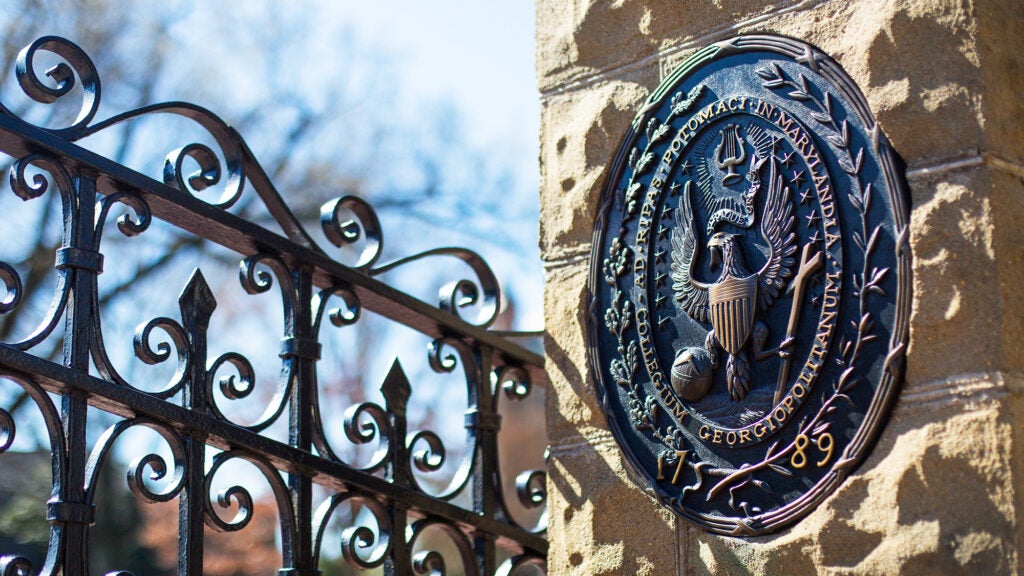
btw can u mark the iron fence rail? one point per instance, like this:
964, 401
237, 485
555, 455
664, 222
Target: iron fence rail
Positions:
186, 412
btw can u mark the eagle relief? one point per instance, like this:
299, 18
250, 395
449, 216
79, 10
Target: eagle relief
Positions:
750, 285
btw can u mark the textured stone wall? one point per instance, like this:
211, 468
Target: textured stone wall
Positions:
943, 491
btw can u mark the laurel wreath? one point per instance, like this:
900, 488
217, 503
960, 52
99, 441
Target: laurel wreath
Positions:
866, 282
619, 316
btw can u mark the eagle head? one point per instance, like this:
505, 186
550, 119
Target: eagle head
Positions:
723, 249
719, 243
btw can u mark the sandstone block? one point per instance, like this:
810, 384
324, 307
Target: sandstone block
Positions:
605, 525
580, 39
572, 406
581, 131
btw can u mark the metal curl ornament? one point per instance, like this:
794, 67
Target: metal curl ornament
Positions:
231, 387
531, 488
360, 431
431, 458
514, 381
13, 288
233, 494
207, 175
512, 566
338, 317
8, 430
63, 75
356, 537
142, 344
431, 562
126, 224
20, 185
22, 188
346, 232
240, 496
446, 363
15, 566
157, 467
137, 471
256, 280
460, 294
211, 171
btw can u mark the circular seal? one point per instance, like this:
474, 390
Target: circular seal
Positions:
750, 284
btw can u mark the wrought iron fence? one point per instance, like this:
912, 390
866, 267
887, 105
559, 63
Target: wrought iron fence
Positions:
396, 509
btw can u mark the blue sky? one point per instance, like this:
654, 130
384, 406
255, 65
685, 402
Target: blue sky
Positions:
480, 57
479, 54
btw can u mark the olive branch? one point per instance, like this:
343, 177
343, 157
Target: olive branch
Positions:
619, 316
641, 160
867, 281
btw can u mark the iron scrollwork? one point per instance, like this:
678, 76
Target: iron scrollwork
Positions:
186, 411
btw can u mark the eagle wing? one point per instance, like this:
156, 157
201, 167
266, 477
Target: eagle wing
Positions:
690, 292
777, 230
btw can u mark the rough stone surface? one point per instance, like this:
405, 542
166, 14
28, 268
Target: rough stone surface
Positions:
581, 132
952, 237
939, 493
572, 406
603, 529
1001, 25
580, 38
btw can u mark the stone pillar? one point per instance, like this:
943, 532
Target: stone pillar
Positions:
943, 489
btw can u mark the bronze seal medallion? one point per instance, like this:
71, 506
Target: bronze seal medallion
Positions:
750, 284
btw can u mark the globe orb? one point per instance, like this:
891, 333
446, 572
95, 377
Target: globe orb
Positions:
691, 374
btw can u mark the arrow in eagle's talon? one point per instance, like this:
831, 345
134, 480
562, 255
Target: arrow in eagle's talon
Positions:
808, 266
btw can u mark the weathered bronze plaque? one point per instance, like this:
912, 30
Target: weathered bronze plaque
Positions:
750, 285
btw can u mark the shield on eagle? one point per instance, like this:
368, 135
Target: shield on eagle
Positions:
732, 305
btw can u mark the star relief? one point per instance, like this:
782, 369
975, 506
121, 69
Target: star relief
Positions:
816, 299
663, 322
810, 57
659, 300
812, 219
798, 178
